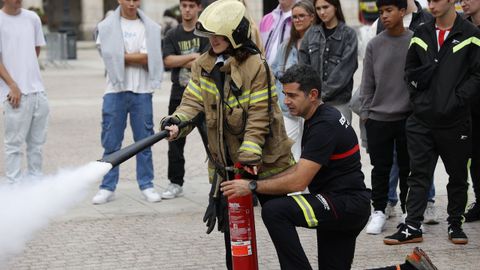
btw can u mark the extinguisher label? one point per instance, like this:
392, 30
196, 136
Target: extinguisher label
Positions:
241, 248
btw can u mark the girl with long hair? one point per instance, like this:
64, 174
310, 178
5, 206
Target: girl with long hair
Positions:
331, 48
303, 16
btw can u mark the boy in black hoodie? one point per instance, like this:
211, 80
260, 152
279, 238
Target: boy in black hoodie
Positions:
443, 72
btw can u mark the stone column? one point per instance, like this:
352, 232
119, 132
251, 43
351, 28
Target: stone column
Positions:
92, 13
255, 7
350, 11
154, 8
32, 3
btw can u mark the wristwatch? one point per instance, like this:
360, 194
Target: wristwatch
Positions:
252, 185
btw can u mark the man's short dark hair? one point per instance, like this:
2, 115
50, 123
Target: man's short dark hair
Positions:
304, 75
198, 2
398, 3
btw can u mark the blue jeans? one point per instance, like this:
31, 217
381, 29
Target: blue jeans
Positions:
116, 108
392, 191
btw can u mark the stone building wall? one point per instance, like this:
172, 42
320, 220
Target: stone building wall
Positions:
85, 14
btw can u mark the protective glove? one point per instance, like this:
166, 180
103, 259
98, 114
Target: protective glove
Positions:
169, 121
210, 216
222, 213
217, 209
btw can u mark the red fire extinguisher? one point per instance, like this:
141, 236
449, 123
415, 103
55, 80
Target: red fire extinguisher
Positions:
242, 230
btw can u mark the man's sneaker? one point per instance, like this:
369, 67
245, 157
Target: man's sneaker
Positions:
103, 196
430, 215
402, 220
172, 191
405, 234
151, 195
420, 260
456, 235
377, 222
473, 213
390, 210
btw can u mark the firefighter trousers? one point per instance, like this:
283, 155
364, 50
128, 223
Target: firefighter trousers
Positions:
338, 221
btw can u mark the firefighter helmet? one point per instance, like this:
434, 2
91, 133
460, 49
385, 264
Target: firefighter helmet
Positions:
225, 18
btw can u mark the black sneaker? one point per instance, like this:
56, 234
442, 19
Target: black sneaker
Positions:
456, 235
405, 234
473, 213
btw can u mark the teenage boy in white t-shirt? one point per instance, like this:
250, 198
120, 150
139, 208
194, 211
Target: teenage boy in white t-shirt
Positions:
130, 46
22, 92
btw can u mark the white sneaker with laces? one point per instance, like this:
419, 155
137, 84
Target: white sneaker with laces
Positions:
430, 215
151, 195
172, 191
377, 222
390, 210
103, 196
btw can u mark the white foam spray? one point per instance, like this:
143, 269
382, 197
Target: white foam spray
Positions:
28, 207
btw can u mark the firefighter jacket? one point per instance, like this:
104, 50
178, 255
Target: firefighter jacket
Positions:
239, 128
443, 82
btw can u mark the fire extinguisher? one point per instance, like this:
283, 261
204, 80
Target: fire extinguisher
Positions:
242, 230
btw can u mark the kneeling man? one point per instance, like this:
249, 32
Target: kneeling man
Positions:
338, 205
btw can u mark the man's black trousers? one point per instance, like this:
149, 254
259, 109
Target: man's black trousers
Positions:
382, 138
337, 229
425, 145
176, 160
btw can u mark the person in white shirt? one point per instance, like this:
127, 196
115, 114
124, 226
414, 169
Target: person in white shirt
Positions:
22, 92
129, 43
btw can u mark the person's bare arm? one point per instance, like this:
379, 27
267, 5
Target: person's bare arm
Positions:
14, 95
136, 59
175, 61
37, 50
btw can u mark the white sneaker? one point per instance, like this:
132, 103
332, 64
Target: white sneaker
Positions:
377, 222
430, 215
151, 195
103, 196
390, 210
172, 191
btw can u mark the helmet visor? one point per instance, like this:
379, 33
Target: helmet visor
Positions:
201, 31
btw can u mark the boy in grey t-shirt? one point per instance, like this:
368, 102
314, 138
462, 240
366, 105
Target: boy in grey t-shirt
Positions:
385, 106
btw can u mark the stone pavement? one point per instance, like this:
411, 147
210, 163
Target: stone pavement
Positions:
129, 233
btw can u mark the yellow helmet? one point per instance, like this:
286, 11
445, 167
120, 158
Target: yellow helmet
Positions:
225, 18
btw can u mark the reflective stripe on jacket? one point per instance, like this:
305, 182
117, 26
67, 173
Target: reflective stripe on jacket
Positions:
443, 82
